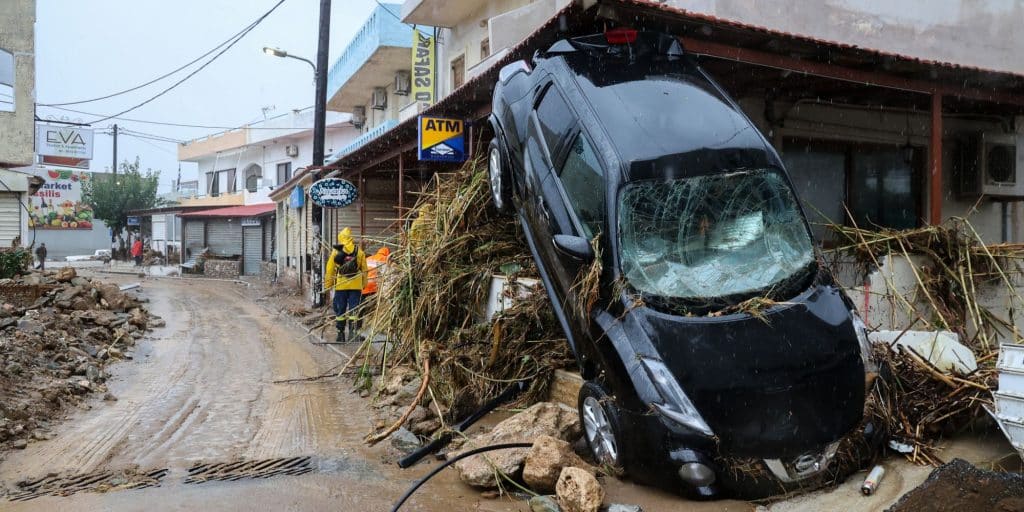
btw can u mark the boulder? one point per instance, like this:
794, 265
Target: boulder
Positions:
546, 460
579, 491
540, 419
115, 300
543, 504
404, 441
66, 274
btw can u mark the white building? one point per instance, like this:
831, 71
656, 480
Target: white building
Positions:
17, 117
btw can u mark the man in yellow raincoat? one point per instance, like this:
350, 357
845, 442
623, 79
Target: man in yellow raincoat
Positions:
346, 274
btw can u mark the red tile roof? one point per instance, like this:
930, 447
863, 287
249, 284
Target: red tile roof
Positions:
252, 210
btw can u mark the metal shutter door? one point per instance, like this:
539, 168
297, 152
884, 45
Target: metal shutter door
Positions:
10, 219
269, 227
252, 237
195, 236
224, 238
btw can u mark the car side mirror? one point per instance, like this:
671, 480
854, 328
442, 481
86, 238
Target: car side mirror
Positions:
575, 247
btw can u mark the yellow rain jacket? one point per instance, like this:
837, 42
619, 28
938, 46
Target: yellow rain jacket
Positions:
335, 276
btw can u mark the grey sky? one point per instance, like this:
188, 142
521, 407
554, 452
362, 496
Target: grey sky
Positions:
89, 49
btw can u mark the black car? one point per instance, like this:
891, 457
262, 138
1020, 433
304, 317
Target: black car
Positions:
714, 337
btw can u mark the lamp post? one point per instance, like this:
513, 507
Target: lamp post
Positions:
277, 52
319, 111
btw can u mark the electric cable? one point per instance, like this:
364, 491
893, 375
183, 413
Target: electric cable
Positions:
27, 212
161, 77
451, 461
185, 125
197, 70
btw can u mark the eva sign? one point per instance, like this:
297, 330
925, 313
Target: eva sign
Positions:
333, 193
67, 141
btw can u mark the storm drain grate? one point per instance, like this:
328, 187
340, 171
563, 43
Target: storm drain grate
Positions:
238, 470
97, 481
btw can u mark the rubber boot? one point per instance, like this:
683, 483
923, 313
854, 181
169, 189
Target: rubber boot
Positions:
356, 326
341, 331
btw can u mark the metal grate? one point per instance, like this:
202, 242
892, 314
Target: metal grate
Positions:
97, 481
227, 471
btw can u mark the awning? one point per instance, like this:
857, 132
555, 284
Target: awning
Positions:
252, 210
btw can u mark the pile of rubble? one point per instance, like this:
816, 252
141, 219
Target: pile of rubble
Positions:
58, 331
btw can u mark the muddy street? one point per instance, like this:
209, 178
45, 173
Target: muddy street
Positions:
200, 392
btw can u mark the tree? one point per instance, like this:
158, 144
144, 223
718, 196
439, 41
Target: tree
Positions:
113, 196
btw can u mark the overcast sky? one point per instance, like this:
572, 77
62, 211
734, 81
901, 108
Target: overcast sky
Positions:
90, 49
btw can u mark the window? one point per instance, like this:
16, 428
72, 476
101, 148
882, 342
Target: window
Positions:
213, 184
458, 71
220, 182
284, 173
715, 238
230, 178
253, 174
6, 81
555, 118
876, 183
584, 184
485, 48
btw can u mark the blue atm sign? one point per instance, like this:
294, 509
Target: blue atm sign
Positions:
442, 139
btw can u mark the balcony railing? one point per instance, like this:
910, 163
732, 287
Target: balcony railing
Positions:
382, 29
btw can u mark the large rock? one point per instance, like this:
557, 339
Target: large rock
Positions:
541, 419
545, 462
66, 274
116, 301
579, 491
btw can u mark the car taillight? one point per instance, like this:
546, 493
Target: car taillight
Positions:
620, 35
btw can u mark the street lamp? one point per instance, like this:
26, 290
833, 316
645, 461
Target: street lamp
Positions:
277, 52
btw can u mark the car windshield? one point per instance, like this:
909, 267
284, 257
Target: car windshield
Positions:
713, 237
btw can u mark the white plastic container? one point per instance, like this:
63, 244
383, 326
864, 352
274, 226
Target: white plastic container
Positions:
1011, 381
1009, 407
1011, 357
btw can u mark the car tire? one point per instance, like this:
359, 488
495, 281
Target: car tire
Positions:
602, 424
498, 177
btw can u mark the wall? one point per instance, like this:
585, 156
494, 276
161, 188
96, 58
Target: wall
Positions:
465, 37
72, 242
982, 33
17, 35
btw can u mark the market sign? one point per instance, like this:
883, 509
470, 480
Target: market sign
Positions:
68, 141
58, 203
423, 63
251, 221
442, 139
333, 193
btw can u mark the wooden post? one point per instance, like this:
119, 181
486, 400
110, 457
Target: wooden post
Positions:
401, 193
935, 161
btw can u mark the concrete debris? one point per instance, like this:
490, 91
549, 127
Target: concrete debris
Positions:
541, 419
957, 485
54, 348
405, 441
546, 460
579, 491
941, 348
543, 504
618, 507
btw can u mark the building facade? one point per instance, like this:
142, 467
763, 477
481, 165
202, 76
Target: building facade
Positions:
17, 117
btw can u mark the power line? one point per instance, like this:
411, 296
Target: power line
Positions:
200, 68
161, 77
181, 125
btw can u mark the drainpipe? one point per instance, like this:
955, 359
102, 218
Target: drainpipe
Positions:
935, 161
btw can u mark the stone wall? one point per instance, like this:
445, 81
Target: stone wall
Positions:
223, 269
268, 271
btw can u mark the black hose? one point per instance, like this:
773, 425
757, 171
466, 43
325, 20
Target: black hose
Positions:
449, 462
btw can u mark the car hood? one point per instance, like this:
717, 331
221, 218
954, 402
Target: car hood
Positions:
780, 386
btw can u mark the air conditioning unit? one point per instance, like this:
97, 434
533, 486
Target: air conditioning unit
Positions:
358, 116
403, 83
291, 150
990, 164
380, 98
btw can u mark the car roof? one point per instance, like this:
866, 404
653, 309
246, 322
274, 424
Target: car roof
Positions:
657, 107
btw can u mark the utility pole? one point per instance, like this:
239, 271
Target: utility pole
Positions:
320, 111
115, 149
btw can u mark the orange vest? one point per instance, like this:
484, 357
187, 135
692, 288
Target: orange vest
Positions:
379, 258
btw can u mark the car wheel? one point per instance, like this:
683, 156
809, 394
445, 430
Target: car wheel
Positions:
601, 425
498, 177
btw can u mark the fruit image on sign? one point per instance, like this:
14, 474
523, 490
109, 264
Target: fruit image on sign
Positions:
58, 203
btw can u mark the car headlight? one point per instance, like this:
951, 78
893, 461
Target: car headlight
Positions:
865, 344
677, 406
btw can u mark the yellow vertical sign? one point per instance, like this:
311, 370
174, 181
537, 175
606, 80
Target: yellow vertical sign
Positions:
422, 68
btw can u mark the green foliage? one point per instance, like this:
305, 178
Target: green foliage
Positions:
14, 262
112, 197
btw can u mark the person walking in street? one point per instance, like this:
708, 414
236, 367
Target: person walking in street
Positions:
346, 275
41, 256
137, 252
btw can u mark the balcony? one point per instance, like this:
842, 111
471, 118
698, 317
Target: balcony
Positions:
193, 150
382, 46
361, 141
439, 13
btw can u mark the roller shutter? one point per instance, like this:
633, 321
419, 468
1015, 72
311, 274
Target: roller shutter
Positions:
10, 218
195, 236
269, 226
252, 237
224, 238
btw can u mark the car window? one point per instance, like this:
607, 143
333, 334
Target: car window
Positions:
555, 118
583, 181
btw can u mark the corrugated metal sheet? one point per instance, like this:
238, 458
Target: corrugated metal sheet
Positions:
194, 236
10, 218
159, 228
223, 237
252, 240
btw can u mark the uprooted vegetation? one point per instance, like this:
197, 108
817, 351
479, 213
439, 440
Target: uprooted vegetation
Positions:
58, 332
952, 269
432, 298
